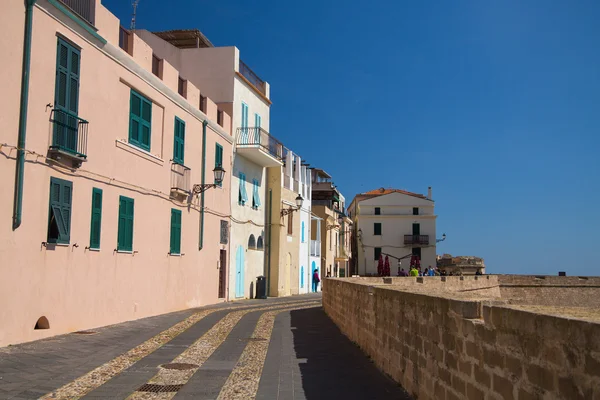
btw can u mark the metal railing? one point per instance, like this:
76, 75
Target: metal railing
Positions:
86, 9
69, 133
259, 137
180, 178
315, 248
416, 239
252, 77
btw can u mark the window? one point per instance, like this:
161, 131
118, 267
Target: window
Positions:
242, 195
175, 246
290, 224
124, 36
377, 253
179, 141
377, 211
416, 251
255, 194
377, 228
125, 227
59, 216
219, 158
140, 121
203, 104
416, 228
415, 210
257, 120
259, 243
96, 224
220, 117
302, 234
251, 242
66, 96
244, 115
156, 65
181, 87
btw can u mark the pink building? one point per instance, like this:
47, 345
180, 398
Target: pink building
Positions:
107, 227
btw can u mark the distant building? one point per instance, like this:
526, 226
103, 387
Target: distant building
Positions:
466, 265
392, 222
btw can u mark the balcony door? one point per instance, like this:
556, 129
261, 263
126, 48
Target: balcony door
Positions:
416, 229
244, 132
66, 97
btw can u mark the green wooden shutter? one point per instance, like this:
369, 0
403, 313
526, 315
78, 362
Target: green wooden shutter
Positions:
243, 195
96, 224
219, 158
175, 247
179, 141
125, 228
66, 94
140, 120
59, 220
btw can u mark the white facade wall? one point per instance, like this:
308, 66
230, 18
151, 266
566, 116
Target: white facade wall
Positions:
304, 269
396, 220
256, 105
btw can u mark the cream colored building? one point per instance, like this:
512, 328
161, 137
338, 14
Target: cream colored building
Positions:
396, 223
107, 227
221, 74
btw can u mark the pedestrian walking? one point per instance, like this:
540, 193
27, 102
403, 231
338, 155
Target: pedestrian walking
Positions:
316, 280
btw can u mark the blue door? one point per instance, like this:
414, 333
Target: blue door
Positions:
239, 272
301, 277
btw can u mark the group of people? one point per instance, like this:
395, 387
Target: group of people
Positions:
414, 271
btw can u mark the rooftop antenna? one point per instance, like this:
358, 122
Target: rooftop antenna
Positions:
134, 4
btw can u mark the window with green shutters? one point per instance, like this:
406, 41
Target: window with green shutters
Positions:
125, 229
219, 158
377, 228
255, 194
242, 194
140, 120
96, 224
59, 215
377, 253
175, 247
179, 143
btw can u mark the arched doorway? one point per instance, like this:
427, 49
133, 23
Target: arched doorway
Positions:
239, 272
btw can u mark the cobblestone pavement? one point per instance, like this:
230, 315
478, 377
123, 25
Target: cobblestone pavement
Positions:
280, 348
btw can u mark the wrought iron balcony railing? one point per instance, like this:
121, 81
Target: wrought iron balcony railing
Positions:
86, 9
259, 137
252, 77
180, 178
416, 239
69, 133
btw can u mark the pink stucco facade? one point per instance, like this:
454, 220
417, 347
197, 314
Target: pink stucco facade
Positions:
72, 286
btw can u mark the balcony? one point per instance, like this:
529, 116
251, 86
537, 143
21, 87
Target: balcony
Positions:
69, 137
315, 248
416, 240
86, 9
259, 146
258, 83
180, 180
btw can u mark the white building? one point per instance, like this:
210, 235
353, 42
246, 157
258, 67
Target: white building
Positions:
221, 75
396, 223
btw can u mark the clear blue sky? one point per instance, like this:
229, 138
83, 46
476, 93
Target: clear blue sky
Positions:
495, 104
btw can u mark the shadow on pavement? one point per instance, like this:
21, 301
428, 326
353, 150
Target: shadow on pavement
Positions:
335, 368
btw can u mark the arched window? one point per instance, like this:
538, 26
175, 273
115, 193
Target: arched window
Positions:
251, 242
259, 243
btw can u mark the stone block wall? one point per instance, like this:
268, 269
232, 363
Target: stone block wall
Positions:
563, 291
438, 347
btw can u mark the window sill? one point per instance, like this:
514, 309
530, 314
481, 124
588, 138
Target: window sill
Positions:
90, 249
176, 254
126, 252
122, 144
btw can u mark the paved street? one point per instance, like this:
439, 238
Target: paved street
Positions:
284, 348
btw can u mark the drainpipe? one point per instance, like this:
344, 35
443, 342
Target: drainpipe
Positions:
20, 168
203, 181
270, 228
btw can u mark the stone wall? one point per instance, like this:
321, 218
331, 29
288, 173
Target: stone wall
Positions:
564, 291
439, 346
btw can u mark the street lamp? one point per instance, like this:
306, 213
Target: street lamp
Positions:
340, 219
219, 174
442, 239
299, 201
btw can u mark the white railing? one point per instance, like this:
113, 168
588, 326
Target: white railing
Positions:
315, 248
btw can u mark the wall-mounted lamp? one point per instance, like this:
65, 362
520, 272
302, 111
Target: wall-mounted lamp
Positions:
219, 173
339, 221
299, 201
442, 239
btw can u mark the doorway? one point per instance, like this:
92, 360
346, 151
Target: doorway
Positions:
239, 272
222, 273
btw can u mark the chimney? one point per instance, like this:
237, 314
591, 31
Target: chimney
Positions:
429, 192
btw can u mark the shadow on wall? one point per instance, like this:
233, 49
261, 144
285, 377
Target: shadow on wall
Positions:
335, 368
